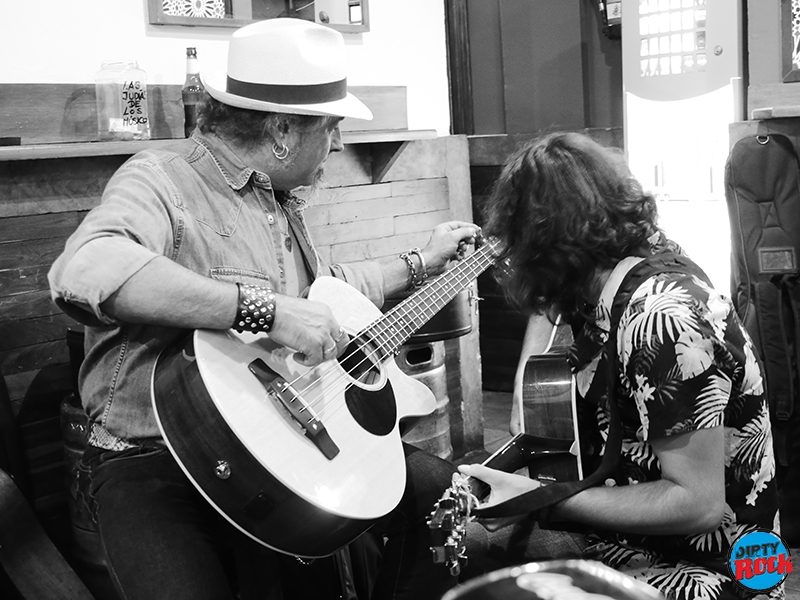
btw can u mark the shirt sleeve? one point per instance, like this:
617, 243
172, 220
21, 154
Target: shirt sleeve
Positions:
132, 225
672, 347
366, 276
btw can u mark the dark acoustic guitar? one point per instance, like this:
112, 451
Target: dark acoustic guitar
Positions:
302, 460
549, 448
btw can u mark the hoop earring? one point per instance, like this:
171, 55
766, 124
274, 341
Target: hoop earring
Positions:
280, 152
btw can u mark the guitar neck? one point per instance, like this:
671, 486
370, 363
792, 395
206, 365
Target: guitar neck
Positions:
400, 323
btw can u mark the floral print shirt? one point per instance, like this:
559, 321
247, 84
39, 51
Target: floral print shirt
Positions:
684, 362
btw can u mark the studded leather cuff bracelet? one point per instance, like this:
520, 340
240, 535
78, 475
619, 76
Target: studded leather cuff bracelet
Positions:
256, 309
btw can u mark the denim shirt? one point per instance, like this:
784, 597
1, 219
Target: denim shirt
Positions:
197, 204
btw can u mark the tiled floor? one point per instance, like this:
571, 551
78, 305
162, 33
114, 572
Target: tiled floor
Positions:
496, 411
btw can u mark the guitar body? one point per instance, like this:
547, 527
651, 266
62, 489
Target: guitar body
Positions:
254, 462
549, 446
549, 410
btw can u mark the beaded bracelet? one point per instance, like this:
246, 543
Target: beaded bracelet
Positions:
423, 270
412, 270
256, 309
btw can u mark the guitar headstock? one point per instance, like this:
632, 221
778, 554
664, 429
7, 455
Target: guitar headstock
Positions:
448, 525
492, 245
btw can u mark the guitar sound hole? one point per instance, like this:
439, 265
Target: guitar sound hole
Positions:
373, 407
360, 361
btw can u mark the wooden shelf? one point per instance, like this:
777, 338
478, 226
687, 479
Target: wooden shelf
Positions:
82, 149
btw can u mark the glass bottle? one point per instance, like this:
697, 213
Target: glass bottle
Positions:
191, 92
121, 88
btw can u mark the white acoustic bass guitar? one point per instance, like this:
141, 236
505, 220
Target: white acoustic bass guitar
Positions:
302, 460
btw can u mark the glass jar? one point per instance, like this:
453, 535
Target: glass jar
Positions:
121, 88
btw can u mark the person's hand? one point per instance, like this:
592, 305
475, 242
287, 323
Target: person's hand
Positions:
450, 241
504, 487
308, 327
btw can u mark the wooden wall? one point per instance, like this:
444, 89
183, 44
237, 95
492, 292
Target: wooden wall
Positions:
383, 198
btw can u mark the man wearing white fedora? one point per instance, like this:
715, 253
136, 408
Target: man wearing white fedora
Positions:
207, 235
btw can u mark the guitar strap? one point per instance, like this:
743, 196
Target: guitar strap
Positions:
545, 496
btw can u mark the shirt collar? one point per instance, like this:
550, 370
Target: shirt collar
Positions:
236, 173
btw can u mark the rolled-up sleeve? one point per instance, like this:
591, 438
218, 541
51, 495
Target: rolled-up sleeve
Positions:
81, 283
131, 226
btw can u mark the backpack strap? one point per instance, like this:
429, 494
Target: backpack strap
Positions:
545, 496
779, 332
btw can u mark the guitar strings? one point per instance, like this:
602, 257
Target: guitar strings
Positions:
383, 349
395, 338
381, 338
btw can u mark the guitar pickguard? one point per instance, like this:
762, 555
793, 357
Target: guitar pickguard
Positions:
374, 410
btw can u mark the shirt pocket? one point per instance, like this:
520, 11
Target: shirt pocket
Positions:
220, 215
230, 274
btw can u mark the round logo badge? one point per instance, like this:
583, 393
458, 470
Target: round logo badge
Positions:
759, 560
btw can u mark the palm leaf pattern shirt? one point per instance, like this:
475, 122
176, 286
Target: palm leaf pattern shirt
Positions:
684, 362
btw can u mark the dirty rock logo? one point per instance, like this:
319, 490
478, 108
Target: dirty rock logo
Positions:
759, 560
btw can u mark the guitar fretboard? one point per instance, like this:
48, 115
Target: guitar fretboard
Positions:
395, 327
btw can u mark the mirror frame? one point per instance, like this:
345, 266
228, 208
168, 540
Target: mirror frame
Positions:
156, 16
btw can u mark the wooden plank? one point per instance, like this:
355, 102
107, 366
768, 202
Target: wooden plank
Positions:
352, 166
42, 113
38, 227
36, 252
84, 149
471, 383
347, 212
371, 191
376, 248
35, 392
459, 67
424, 159
338, 233
54, 186
389, 106
27, 332
26, 306
413, 187
458, 178
772, 95
420, 221
353, 193
32, 358
23, 280
470, 367
45, 113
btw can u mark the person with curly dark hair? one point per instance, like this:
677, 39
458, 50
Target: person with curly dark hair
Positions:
676, 369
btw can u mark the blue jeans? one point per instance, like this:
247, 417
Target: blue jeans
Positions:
163, 540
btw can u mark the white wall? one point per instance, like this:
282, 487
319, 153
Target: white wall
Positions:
52, 41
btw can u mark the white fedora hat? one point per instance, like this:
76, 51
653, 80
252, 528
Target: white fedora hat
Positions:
289, 66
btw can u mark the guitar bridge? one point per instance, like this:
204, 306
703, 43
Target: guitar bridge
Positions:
283, 393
